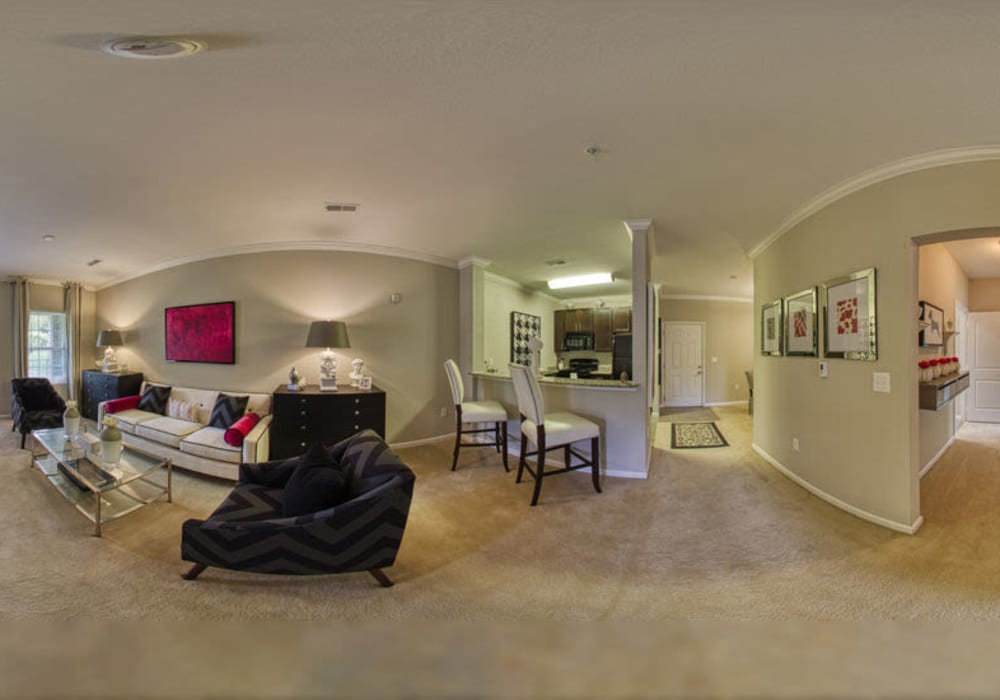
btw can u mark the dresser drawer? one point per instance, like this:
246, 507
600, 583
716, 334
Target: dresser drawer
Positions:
304, 417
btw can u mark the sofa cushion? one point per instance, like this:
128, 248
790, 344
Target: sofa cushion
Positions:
210, 443
315, 485
166, 431
227, 410
185, 410
127, 420
237, 432
154, 399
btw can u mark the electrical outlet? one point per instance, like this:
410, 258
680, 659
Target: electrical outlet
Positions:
795, 444
444, 412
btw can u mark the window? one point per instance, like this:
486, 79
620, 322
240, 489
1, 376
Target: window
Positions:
47, 346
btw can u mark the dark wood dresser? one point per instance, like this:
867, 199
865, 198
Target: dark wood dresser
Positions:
310, 415
99, 386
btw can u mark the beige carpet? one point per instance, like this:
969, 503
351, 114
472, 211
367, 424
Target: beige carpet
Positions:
712, 537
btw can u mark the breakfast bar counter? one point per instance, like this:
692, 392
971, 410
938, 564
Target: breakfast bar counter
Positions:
617, 407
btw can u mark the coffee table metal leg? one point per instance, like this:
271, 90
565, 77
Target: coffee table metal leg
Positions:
170, 481
97, 520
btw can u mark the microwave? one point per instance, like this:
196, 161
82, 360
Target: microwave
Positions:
578, 341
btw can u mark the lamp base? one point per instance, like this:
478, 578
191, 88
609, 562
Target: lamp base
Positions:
327, 384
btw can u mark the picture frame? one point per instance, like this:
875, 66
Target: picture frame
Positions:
200, 333
801, 329
770, 328
523, 327
849, 320
931, 326
365, 383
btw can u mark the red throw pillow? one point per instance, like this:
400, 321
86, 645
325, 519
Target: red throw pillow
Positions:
122, 404
238, 431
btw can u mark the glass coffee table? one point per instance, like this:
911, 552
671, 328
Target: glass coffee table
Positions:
101, 491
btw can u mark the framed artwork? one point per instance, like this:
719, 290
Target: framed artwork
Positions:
201, 333
800, 324
931, 325
365, 383
523, 327
849, 310
770, 328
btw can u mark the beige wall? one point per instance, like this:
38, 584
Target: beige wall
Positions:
501, 296
984, 295
728, 338
277, 294
942, 283
857, 446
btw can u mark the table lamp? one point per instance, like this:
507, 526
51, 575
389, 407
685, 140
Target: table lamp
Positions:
328, 334
109, 340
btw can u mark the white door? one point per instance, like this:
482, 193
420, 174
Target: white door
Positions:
683, 360
983, 349
961, 340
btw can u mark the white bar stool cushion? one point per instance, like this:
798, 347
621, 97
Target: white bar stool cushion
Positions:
561, 429
483, 412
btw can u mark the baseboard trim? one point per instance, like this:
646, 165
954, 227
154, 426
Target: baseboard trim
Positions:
834, 501
422, 441
727, 403
935, 458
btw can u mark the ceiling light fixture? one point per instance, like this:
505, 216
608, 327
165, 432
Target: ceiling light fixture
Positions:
581, 280
342, 207
152, 47
593, 150
555, 262
48, 238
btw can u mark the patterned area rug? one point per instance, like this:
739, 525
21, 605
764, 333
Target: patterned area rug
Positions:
691, 435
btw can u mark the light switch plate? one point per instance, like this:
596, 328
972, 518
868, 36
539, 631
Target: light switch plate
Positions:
880, 382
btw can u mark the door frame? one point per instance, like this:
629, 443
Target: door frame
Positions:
663, 362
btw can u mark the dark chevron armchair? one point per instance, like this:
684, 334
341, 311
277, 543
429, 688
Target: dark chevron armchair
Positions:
248, 533
35, 404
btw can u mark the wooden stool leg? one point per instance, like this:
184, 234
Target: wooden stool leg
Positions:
458, 442
595, 463
539, 467
496, 436
503, 444
192, 573
520, 464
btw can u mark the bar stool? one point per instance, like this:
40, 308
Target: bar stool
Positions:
551, 431
475, 412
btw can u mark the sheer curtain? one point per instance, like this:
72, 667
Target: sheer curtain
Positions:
19, 333
72, 302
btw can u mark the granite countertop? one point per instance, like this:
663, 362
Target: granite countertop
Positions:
566, 381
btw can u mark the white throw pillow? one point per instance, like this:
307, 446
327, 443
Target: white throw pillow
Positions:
184, 410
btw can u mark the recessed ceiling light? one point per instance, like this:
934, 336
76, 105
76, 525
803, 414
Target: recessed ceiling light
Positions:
593, 150
48, 238
581, 280
152, 47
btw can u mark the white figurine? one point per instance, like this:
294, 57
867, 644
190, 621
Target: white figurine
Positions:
295, 380
358, 364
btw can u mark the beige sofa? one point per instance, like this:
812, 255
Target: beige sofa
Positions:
194, 445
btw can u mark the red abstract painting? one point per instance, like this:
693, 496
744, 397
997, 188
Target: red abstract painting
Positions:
799, 323
201, 333
847, 316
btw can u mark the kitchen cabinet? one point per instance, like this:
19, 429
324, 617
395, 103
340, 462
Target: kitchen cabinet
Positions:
558, 330
602, 329
310, 415
621, 320
571, 321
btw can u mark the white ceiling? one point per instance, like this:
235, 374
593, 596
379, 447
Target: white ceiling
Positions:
979, 258
461, 127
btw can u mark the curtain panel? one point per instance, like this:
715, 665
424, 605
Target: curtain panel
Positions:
19, 332
73, 303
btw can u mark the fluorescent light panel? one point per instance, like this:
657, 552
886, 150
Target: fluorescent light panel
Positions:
581, 280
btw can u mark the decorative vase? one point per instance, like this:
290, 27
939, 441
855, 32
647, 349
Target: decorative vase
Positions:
111, 441
71, 420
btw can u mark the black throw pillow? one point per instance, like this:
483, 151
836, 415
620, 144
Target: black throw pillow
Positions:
155, 399
315, 485
227, 410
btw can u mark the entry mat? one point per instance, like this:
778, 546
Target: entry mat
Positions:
691, 435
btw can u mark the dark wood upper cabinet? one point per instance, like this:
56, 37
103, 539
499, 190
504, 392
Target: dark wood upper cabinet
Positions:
602, 330
622, 320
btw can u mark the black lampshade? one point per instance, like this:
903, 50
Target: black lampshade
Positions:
328, 334
109, 339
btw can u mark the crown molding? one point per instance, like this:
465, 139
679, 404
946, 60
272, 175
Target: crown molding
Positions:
473, 260
634, 226
508, 282
285, 246
702, 297
911, 164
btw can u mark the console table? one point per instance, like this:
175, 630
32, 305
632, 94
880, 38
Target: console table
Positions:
104, 386
310, 415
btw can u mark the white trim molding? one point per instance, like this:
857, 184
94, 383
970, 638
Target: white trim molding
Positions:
700, 297
283, 246
935, 458
473, 260
834, 501
421, 441
726, 403
886, 171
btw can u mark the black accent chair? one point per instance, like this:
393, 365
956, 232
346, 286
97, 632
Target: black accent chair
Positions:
248, 533
35, 404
